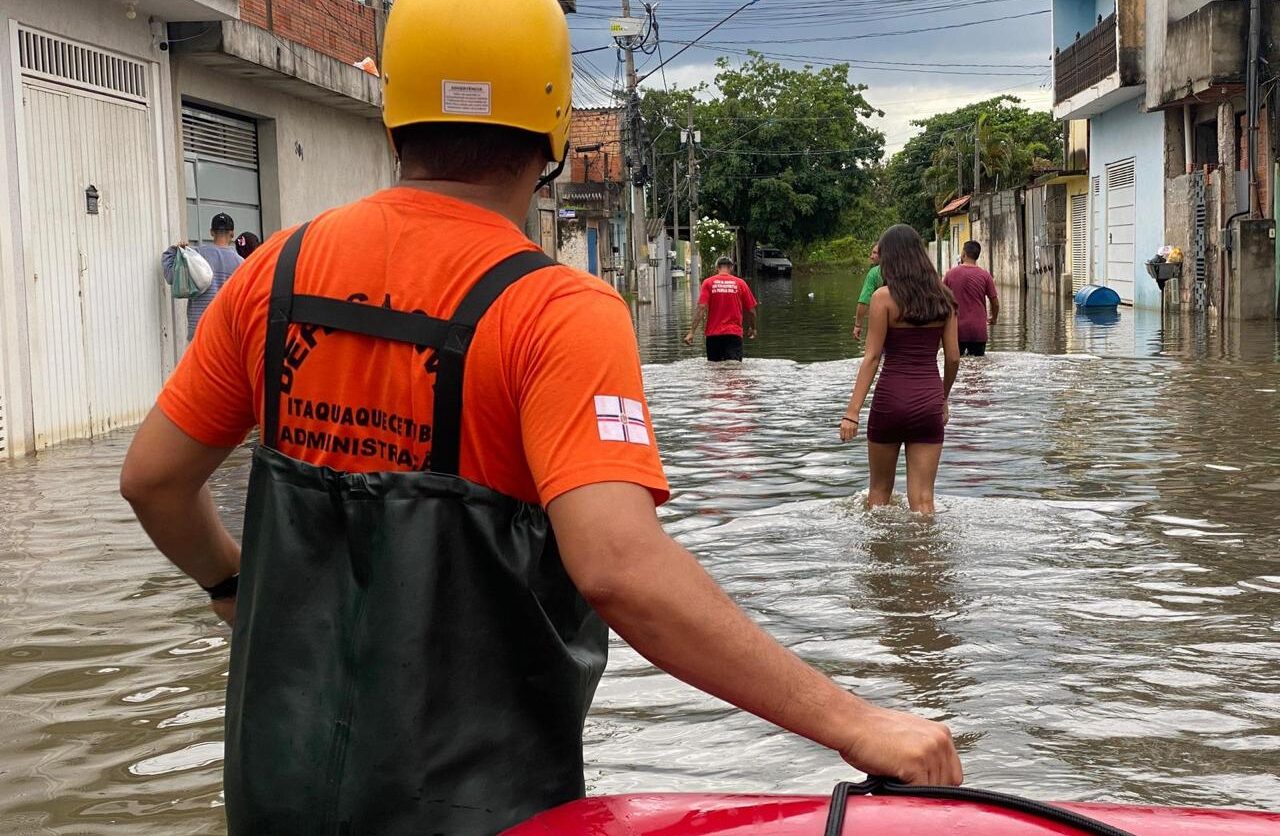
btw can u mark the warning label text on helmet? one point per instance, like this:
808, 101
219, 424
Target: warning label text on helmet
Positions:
471, 98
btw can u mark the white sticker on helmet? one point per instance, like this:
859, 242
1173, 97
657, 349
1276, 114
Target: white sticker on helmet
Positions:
469, 98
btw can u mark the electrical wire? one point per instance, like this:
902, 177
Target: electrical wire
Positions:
874, 35
723, 21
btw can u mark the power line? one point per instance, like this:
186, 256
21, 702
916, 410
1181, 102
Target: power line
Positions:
874, 35
680, 51
894, 66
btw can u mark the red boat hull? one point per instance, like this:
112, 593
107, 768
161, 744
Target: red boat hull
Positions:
782, 815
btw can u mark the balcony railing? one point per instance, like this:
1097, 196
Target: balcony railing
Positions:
1086, 62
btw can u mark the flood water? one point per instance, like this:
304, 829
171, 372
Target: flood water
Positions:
1095, 609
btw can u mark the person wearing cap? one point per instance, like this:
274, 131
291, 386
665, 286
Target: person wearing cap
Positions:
223, 258
455, 488
727, 309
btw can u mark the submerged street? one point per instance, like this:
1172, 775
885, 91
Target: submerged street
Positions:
1093, 610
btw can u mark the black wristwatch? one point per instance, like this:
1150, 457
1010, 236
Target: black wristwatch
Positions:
224, 590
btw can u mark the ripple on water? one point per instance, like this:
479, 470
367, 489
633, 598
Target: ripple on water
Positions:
1092, 609
191, 757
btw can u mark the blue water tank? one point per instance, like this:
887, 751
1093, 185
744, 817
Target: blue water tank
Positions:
1095, 296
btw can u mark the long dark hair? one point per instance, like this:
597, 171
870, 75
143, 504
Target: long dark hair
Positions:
246, 244
911, 278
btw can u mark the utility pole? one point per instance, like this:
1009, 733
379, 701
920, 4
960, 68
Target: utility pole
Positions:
695, 265
653, 181
675, 204
635, 156
608, 219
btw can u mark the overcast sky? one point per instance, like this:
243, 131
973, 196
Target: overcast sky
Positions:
1006, 44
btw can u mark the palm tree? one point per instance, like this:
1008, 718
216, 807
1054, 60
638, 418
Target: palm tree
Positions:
996, 150
999, 157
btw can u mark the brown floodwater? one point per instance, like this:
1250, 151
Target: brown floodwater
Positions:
1095, 609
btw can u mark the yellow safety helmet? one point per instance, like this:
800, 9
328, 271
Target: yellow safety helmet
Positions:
502, 62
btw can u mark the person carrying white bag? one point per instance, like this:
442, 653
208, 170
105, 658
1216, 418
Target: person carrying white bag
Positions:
197, 272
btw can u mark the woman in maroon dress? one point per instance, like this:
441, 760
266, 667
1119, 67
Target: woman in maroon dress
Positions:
911, 317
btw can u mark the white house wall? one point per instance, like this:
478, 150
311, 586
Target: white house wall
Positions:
312, 157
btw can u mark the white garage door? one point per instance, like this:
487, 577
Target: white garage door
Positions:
92, 228
1121, 194
1079, 241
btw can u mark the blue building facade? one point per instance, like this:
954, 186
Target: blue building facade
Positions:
1098, 77
1126, 162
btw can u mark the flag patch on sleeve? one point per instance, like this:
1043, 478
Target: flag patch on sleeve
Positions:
621, 419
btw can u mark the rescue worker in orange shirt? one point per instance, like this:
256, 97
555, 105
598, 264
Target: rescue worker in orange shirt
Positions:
455, 488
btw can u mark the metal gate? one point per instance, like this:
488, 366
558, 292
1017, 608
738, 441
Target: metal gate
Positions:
220, 161
1199, 241
89, 175
1121, 206
1079, 240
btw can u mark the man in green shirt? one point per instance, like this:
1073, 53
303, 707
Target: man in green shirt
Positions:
870, 285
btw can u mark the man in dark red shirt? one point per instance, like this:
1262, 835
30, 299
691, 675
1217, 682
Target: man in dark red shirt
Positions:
725, 303
973, 287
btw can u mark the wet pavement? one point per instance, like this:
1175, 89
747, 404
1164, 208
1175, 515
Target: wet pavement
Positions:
1095, 609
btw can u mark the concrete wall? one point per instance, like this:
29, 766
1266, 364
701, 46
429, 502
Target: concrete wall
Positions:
1123, 132
1195, 44
1251, 288
998, 226
313, 157
1131, 25
1179, 226
1206, 47
1176, 9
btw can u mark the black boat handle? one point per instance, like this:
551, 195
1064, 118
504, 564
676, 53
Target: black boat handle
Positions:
884, 786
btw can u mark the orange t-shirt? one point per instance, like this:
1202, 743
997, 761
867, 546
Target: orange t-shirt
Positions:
552, 398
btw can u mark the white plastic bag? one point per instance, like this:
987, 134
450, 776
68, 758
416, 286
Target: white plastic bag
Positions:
192, 274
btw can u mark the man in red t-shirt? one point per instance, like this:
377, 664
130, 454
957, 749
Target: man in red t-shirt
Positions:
973, 287
724, 304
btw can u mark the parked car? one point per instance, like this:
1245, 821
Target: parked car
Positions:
770, 261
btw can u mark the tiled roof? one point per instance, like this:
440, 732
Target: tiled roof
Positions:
955, 207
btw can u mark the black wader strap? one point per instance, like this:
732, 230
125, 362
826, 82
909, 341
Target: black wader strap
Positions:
451, 339
279, 315
383, 323
446, 432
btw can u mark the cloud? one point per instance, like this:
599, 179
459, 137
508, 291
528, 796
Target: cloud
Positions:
683, 76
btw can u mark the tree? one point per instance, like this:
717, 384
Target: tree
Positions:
784, 152
937, 163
